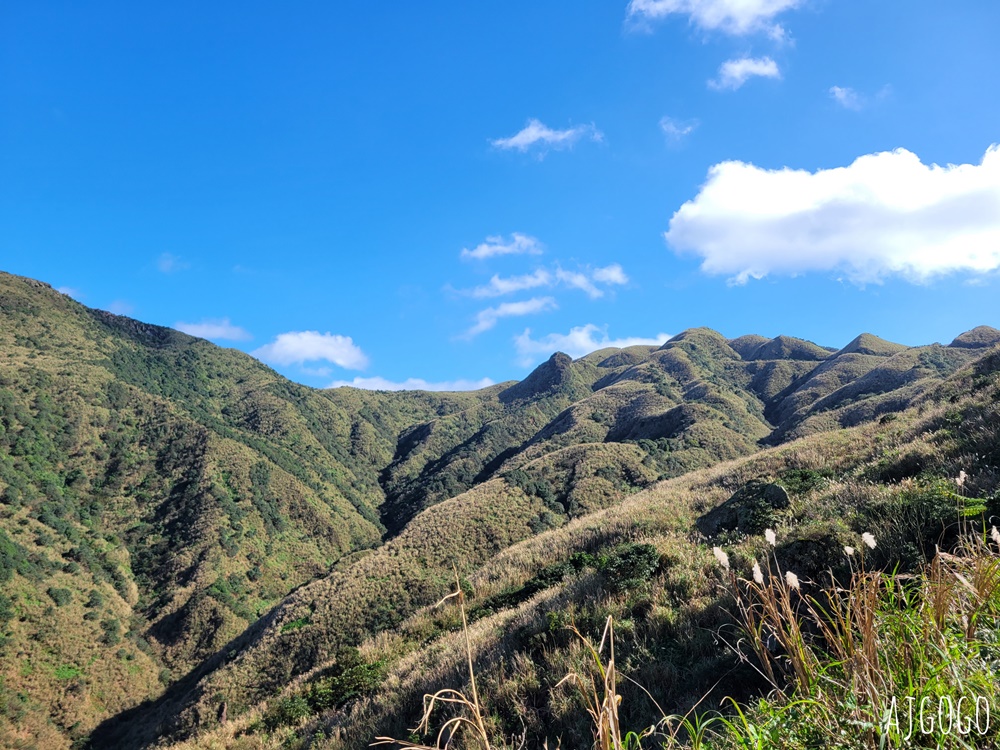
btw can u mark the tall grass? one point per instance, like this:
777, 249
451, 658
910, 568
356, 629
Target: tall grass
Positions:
887, 660
882, 660
469, 717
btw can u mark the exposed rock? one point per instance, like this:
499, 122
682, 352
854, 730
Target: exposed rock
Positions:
750, 510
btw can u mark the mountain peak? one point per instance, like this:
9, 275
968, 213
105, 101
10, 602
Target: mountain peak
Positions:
697, 335
746, 345
789, 347
979, 337
868, 343
552, 373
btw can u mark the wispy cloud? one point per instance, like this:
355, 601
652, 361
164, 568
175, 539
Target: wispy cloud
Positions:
579, 341
537, 135
487, 319
412, 384
852, 99
734, 73
578, 280
518, 244
677, 130
735, 17
216, 329
170, 263
613, 274
298, 347
584, 280
885, 214
70, 291
500, 285
846, 97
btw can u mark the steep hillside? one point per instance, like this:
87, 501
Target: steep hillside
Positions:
159, 494
643, 561
184, 533
663, 413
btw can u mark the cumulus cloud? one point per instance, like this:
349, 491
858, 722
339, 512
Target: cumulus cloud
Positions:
412, 384
537, 135
736, 17
676, 130
487, 319
734, 73
518, 244
170, 263
846, 97
298, 347
583, 279
579, 341
215, 329
885, 214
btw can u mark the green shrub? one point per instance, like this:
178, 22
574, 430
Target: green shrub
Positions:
286, 712
112, 632
629, 566
61, 597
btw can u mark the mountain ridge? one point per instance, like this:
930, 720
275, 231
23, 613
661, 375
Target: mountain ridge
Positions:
206, 511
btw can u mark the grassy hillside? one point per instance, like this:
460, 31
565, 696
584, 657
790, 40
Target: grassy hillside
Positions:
159, 494
188, 539
541, 486
640, 563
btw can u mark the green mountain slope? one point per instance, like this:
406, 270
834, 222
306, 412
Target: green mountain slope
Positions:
184, 533
642, 561
184, 487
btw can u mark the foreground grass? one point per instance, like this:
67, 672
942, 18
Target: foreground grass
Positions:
885, 659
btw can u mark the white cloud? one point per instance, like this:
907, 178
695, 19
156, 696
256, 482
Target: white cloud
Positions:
676, 130
846, 97
734, 73
849, 98
577, 280
885, 214
737, 17
537, 134
579, 341
584, 280
487, 319
519, 244
170, 263
500, 285
613, 274
214, 329
298, 347
413, 384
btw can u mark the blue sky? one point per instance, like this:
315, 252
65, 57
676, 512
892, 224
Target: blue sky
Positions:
444, 193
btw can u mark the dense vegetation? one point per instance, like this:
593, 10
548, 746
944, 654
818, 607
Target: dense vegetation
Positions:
194, 549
